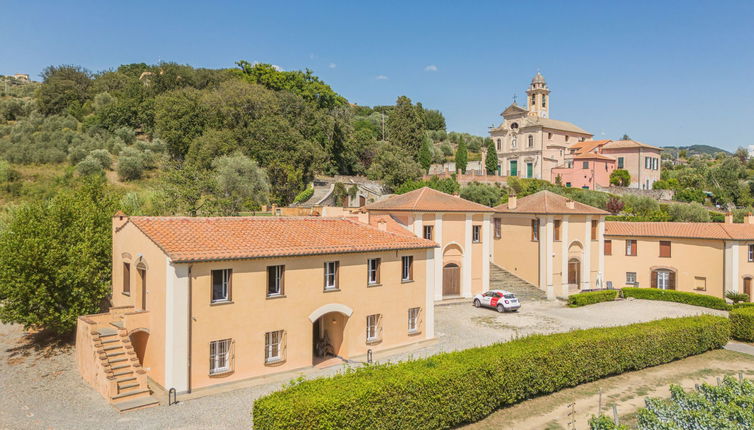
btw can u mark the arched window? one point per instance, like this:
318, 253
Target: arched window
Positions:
533, 99
514, 126
544, 100
499, 144
531, 141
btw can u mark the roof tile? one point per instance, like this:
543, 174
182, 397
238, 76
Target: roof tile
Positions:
426, 199
547, 202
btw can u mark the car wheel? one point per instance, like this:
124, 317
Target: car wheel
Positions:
500, 308
477, 303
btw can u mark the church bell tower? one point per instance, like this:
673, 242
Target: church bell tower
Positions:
538, 97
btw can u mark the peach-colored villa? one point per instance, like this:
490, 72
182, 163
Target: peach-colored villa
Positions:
199, 302
551, 242
705, 258
460, 227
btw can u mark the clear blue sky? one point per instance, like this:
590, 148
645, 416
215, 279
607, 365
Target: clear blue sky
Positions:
666, 72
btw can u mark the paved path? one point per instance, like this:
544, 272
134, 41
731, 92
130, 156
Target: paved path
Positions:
44, 391
745, 348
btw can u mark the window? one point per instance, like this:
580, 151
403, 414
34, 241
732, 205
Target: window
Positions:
373, 271
498, 225
568, 185
476, 233
544, 100
331, 275
631, 248
566, 138
219, 356
569, 164
700, 283
584, 164
533, 99
664, 248
556, 230
549, 136
531, 141
595, 224
751, 252
529, 170
127, 276
428, 232
413, 320
407, 274
373, 327
514, 168
535, 229
275, 280
620, 162
221, 285
514, 125
608, 247
631, 278
273, 346
663, 279
499, 145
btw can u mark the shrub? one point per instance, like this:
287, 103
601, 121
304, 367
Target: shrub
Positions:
304, 195
591, 297
102, 156
677, 296
602, 422
89, 166
737, 297
447, 390
130, 168
742, 323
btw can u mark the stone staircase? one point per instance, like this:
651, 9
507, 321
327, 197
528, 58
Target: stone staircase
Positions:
126, 384
501, 279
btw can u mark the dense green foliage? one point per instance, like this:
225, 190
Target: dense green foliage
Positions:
447, 390
676, 296
602, 422
462, 156
304, 195
488, 195
55, 258
490, 161
742, 323
620, 178
591, 297
737, 297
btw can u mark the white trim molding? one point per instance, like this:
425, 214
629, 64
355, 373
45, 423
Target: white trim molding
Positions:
330, 307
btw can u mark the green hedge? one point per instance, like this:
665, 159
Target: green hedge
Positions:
742, 323
591, 297
677, 296
450, 389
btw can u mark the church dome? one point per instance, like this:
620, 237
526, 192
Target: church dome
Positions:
538, 79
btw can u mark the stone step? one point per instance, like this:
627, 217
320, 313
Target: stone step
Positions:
130, 394
121, 366
126, 379
126, 387
118, 360
112, 347
139, 403
111, 354
106, 332
109, 340
117, 324
123, 373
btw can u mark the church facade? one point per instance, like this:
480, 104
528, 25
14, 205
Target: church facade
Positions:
529, 143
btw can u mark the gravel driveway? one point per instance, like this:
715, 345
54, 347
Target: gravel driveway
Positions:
41, 389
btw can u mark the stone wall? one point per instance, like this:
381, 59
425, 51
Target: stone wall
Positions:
662, 195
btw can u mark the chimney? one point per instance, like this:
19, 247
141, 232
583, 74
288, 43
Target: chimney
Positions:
570, 204
749, 219
512, 201
381, 225
729, 218
119, 220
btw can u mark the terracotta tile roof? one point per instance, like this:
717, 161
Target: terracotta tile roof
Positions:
547, 202
619, 144
697, 230
392, 224
187, 239
592, 156
427, 200
588, 145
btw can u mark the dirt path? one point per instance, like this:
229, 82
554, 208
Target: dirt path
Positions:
627, 391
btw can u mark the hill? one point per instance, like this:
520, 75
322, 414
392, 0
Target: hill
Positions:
695, 150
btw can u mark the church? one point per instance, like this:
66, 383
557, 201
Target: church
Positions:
529, 144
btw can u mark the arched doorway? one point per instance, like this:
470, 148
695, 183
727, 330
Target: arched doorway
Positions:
139, 339
328, 328
574, 271
451, 280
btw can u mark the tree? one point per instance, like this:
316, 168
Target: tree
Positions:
692, 212
63, 87
186, 188
490, 162
393, 166
55, 258
620, 178
488, 195
406, 127
614, 205
425, 154
462, 156
285, 182
742, 154
239, 183
179, 118
434, 120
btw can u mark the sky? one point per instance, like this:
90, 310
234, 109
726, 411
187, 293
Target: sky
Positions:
667, 73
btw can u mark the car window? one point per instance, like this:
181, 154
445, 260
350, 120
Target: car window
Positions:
499, 295
487, 294
510, 296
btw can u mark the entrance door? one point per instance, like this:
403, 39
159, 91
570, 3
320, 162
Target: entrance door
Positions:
529, 170
747, 287
574, 271
451, 280
143, 282
362, 201
315, 336
514, 168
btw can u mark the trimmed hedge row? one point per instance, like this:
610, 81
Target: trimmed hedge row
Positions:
591, 297
677, 296
742, 323
450, 389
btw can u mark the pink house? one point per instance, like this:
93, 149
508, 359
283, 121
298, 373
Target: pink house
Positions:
587, 170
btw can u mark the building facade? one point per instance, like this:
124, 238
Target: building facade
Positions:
529, 144
460, 227
551, 242
204, 301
